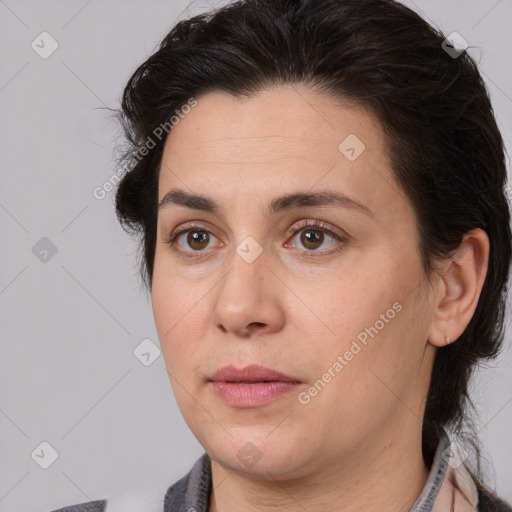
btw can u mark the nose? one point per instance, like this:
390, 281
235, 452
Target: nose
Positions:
248, 299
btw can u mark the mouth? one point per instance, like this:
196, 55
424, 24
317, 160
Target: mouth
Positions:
250, 375
252, 386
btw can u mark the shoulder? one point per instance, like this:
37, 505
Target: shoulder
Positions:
192, 492
192, 489
488, 502
88, 506
143, 498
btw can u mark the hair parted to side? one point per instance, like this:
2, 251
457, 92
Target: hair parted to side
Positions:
444, 145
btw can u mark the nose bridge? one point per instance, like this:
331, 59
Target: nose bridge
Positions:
244, 283
245, 295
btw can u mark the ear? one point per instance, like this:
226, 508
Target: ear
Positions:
458, 287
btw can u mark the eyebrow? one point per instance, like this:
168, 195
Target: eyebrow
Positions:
287, 202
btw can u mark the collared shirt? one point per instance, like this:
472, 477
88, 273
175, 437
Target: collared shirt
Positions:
192, 492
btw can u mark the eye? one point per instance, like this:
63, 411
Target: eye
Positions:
312, 239
197, 238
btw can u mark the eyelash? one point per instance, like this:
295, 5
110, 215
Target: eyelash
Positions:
297, 229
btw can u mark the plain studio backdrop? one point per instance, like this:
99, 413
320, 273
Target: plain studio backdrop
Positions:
74, 386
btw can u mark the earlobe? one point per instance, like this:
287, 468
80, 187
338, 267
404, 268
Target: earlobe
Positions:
459, 284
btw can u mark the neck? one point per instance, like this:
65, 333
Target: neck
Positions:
385, 475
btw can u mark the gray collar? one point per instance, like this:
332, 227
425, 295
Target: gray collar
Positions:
192, 492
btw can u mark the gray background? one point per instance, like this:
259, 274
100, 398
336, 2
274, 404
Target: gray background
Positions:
69, 325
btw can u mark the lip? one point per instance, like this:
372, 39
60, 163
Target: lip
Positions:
251, 386
251, 373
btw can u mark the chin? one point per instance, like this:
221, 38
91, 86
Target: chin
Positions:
259, 455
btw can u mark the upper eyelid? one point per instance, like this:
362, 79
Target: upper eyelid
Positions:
319, 224
298, 226
191, 225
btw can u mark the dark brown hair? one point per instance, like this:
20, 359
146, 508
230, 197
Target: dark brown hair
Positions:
446, 151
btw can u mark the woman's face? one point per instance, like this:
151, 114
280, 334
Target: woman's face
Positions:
341, 307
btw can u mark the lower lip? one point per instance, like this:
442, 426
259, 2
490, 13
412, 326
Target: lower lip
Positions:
251, 395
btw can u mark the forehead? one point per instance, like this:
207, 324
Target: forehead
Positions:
282, 139
279, 122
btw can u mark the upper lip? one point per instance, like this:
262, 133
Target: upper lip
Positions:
251, 373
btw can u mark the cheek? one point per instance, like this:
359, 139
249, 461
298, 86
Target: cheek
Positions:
172, 313
174, 320
338, 309
361, 330
356, 382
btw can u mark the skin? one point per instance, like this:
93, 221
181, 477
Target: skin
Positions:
357, 444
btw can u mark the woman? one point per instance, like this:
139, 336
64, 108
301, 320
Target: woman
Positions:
319, 187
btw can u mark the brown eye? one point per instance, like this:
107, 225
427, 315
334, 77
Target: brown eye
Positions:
313, 236
191, 241
311, 239
196, 239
